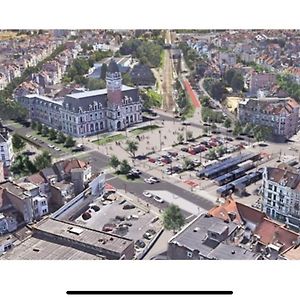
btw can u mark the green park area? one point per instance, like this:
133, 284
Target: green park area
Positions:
105, 139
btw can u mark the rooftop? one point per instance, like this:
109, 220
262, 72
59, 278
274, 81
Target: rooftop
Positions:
194, 236
88, 236
34, 248
96, 92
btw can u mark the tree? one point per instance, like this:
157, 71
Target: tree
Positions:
22, 166
126, 79
205, 101
61, 138
237, 129
132, 147
124, 167
70, 142
237, 82
45, 130
103, 71
189, 135
180, 138
227, 123
217, 90
18, 142
95, 84
114, 162
43, 160
173, 218
214, 126
187, 164
39, 128
33, 125
228, 76
52, 134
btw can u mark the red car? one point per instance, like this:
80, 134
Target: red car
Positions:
152, 160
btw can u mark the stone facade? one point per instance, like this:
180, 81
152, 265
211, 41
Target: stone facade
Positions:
90, 112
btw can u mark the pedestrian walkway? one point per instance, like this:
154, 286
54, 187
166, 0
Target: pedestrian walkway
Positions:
180, 202
191, 94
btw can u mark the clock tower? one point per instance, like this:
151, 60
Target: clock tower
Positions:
114, 97
114, 84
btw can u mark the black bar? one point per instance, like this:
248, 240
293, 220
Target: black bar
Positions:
149, 292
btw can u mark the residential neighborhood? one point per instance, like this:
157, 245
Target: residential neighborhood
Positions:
149, 144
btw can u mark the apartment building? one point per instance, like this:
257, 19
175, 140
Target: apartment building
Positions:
281, 195
280, 114
6, 148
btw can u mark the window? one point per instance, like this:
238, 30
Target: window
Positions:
1, 148
189, 254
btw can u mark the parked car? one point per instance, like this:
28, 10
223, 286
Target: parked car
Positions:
120, 218
86, 215
158, 199
152, 160
140, 244
128, 206
95, 208
147, 194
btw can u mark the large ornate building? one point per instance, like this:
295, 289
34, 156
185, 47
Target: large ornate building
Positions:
89, 112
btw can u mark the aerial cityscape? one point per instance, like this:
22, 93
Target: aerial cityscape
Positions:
149, 144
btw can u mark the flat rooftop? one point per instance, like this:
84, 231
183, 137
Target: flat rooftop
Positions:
194, 236
108, 213
37, 249
75, 232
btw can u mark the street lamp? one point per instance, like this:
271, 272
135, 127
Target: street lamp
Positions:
159, 139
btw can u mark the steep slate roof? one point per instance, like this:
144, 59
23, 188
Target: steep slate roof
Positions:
112, 67
85, 99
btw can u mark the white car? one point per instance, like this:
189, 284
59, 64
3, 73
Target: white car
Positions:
57, 149
153, 179
158, 199
147, 194
147, 180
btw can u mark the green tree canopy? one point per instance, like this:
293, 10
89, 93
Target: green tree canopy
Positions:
95, 84
124, 167
52, 134
70, 142
132, 147
61, 138
43, 160
180, 138
173, 218
18, 142
114, 162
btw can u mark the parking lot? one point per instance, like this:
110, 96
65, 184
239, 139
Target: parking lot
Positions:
120, 216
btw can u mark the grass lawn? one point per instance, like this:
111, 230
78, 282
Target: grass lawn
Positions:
144, 129
110, 138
